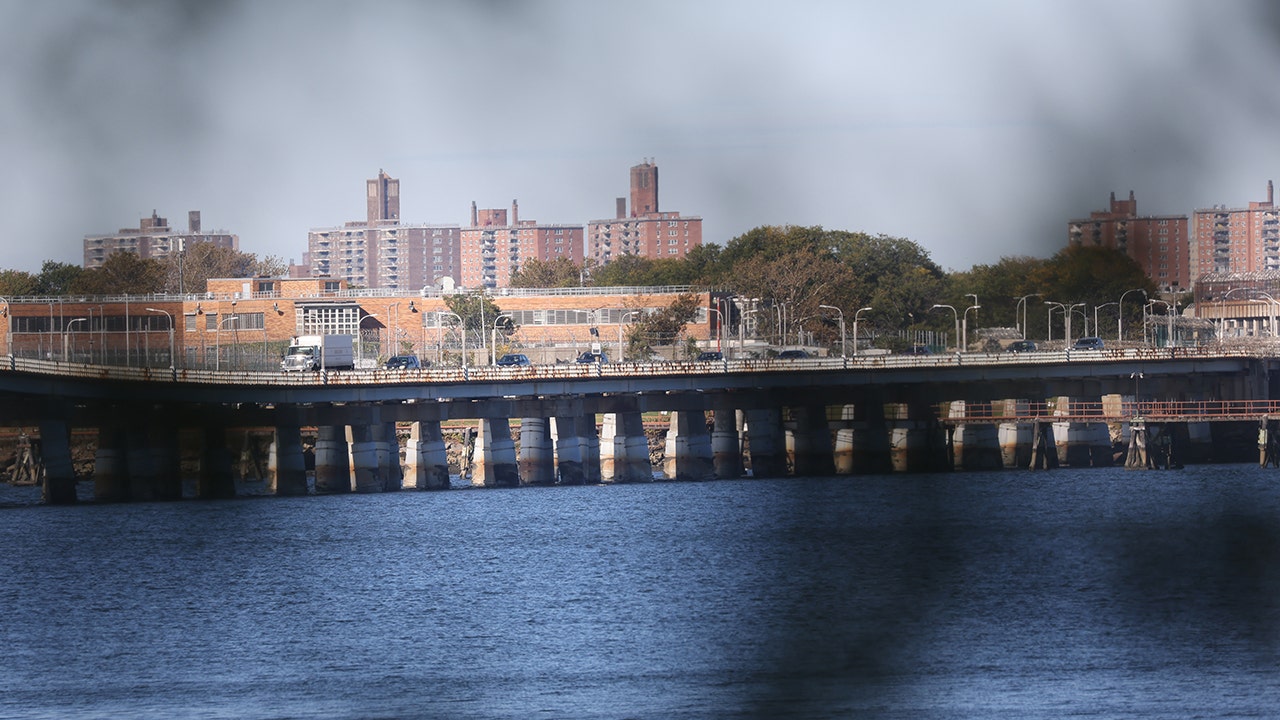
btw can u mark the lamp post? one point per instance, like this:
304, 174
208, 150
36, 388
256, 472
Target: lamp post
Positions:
1067, 310
856, 315
1222, 313
217, 339
65, 330
360, 338
1146, 312
494, 343
1022, 303
1271, 320
622, 319
1120, 315
166, 313
1098, 328
843, 346
463, 328
719, 324
957, 317
964, 327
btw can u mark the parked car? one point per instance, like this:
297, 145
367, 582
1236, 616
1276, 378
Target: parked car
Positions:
918, 350
793, 355
1021, 346
710, 355
590, 357
512, 359
1088, 343
404, 362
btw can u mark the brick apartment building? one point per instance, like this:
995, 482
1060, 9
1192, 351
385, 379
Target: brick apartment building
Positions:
495, 245
380, 251
1237, 240
646, 230
1160, 244
154, 239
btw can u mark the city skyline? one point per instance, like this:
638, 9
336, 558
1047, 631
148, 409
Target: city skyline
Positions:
972, 130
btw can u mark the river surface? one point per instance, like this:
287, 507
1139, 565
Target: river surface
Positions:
1070, 593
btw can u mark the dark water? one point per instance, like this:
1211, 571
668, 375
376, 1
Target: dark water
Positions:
1090, 593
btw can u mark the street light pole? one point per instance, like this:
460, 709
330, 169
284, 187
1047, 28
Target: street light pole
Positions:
494, 342
1098, 328
957, 317
843, 347
965, 326
65, 330
1120, 315
1022, 302
166, 313
856, 314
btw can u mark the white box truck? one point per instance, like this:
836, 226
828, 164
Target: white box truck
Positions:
314, 352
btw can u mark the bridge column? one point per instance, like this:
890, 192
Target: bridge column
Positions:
1082, 443
139, 457
495, 455
870, 437
426, 462
363, 442
537, 462
916, 441
975, 446
1044, 449
59, 472
286, 465
726, 443
810, 442
167, 459
845, 453
333, 460
216, 481
1015, 438
110, 470
569, 468
589, 444
624, 449
688, 447
766, 443
388, 447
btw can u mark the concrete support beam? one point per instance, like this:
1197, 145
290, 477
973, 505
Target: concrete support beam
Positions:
810, 442
389, 468
140, 458
110, 467
726, 444
568, 449
216, 481
333, 460
368, 476
286, 465
1081, 444
688, 447
766, 443
426, 463
166, 457
537, 456
974, 446
55, 453
495, 455
624, 449
589, 446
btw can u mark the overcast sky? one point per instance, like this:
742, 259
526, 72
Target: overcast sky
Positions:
976, 129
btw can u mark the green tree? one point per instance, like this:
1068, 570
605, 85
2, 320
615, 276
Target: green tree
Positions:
202, 261
556, 273
17, 283
660, 328
122, 273
56, 278
478, 312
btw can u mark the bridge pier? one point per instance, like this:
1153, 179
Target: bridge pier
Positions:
974, 446
55, 453
110, 469
216, 481
688, 447
1015, 438
426, 462
766, 443
363, 443
1081, 443
809, 442
143, 477
568, 442
495, 455
286, 464
333, 460
1044, 450
624, 449
915, 445
726, 443
589, 447
537, 463
389, 457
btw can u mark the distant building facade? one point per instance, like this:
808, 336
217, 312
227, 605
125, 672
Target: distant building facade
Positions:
1161, 244
380, 251
153, 239
1238, 240
646, 230
496, 244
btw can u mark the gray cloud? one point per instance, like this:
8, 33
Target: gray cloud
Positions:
975, 129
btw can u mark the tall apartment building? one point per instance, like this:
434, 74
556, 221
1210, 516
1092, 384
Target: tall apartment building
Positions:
153, 238
1237, 240
1160, 244
380, 252
495, 245
646, 230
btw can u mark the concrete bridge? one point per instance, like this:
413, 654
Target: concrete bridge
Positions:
583, 423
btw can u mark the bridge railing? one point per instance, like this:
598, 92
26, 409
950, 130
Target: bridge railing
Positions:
1127, 409
574, 370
